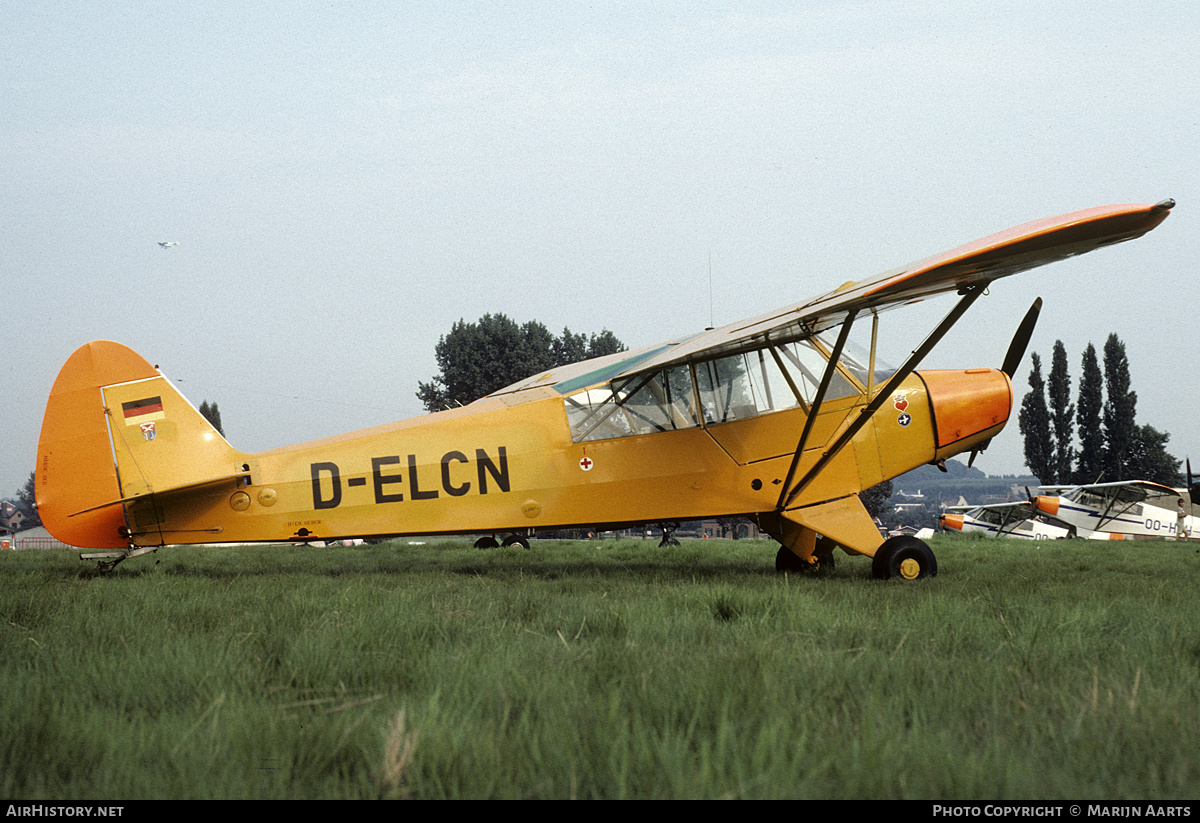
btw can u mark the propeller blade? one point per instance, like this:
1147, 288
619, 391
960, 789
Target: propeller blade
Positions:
1016, 349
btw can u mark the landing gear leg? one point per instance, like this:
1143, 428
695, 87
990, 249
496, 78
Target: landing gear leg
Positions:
809, 552
668, 532
109, 560
106, 566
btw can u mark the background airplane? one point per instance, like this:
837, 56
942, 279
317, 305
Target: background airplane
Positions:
1128, 508
776, 418
1016, 519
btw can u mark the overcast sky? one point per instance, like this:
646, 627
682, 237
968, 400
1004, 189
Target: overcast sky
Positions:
347, 179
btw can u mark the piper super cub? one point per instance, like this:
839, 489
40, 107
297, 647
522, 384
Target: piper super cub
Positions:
776, 418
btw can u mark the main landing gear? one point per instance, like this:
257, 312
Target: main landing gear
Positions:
490, 542
903, 557
668, 535
821, 561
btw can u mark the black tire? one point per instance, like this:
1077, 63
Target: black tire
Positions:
515, 540
788, 561
904, 557
486, 543
824, 554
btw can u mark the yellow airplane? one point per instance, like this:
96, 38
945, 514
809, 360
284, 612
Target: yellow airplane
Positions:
777, 418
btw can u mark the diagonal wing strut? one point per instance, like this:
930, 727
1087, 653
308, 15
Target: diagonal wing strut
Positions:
790, 492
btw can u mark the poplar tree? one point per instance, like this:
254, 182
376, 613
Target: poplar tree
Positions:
1062, 414
1034, 420
1120, 410
213, 415
1089, 463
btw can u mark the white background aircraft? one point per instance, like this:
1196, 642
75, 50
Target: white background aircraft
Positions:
1132, 508
1002, 520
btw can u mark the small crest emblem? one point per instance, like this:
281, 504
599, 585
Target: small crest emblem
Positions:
148, 430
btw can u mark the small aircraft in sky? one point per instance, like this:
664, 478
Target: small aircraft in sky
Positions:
1016, 519
1123, 509
168, 244
778, 418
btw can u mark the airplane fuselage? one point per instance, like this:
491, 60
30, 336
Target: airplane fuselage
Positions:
510, 464
1095, 514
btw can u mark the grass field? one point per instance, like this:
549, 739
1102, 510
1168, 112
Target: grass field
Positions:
601, 670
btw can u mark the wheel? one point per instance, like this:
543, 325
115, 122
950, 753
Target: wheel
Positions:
486, 543
788, 561
824, 553
904, 557
515, 540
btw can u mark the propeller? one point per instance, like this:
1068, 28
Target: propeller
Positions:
1012, 359
1020, 341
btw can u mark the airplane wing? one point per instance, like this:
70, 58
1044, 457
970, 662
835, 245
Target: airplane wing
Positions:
999, 255
1129, 490
1020, 504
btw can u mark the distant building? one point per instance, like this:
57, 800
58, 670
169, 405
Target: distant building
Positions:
10, 517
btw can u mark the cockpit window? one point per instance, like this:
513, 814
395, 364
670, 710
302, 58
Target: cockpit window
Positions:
646, 403
768, 379
741, 386
857, 360
806, 365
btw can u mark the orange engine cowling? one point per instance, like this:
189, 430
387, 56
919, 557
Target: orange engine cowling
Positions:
970, 406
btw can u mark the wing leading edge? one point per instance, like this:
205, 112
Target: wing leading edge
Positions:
999, 255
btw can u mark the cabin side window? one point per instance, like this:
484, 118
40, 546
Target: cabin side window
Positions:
643, 404
773, 378
737, 387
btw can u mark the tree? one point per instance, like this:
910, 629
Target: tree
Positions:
875, 499
1034, 421
213, 415
1089, 465
1148, 458
28, 502
1062, 415
599, 345
1120, 410
476, 359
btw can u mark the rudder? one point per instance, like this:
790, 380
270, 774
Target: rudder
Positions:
114, 430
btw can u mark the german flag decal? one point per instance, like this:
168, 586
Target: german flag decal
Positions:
143, 411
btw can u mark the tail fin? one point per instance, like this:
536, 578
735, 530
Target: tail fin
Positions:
115, 431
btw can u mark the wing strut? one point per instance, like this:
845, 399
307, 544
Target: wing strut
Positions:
815, 406
789, 495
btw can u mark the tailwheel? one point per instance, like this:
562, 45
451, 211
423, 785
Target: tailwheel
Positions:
487, 543
515, 540
905, 557
106, 566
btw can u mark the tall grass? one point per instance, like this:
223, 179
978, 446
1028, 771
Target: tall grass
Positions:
601, 670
